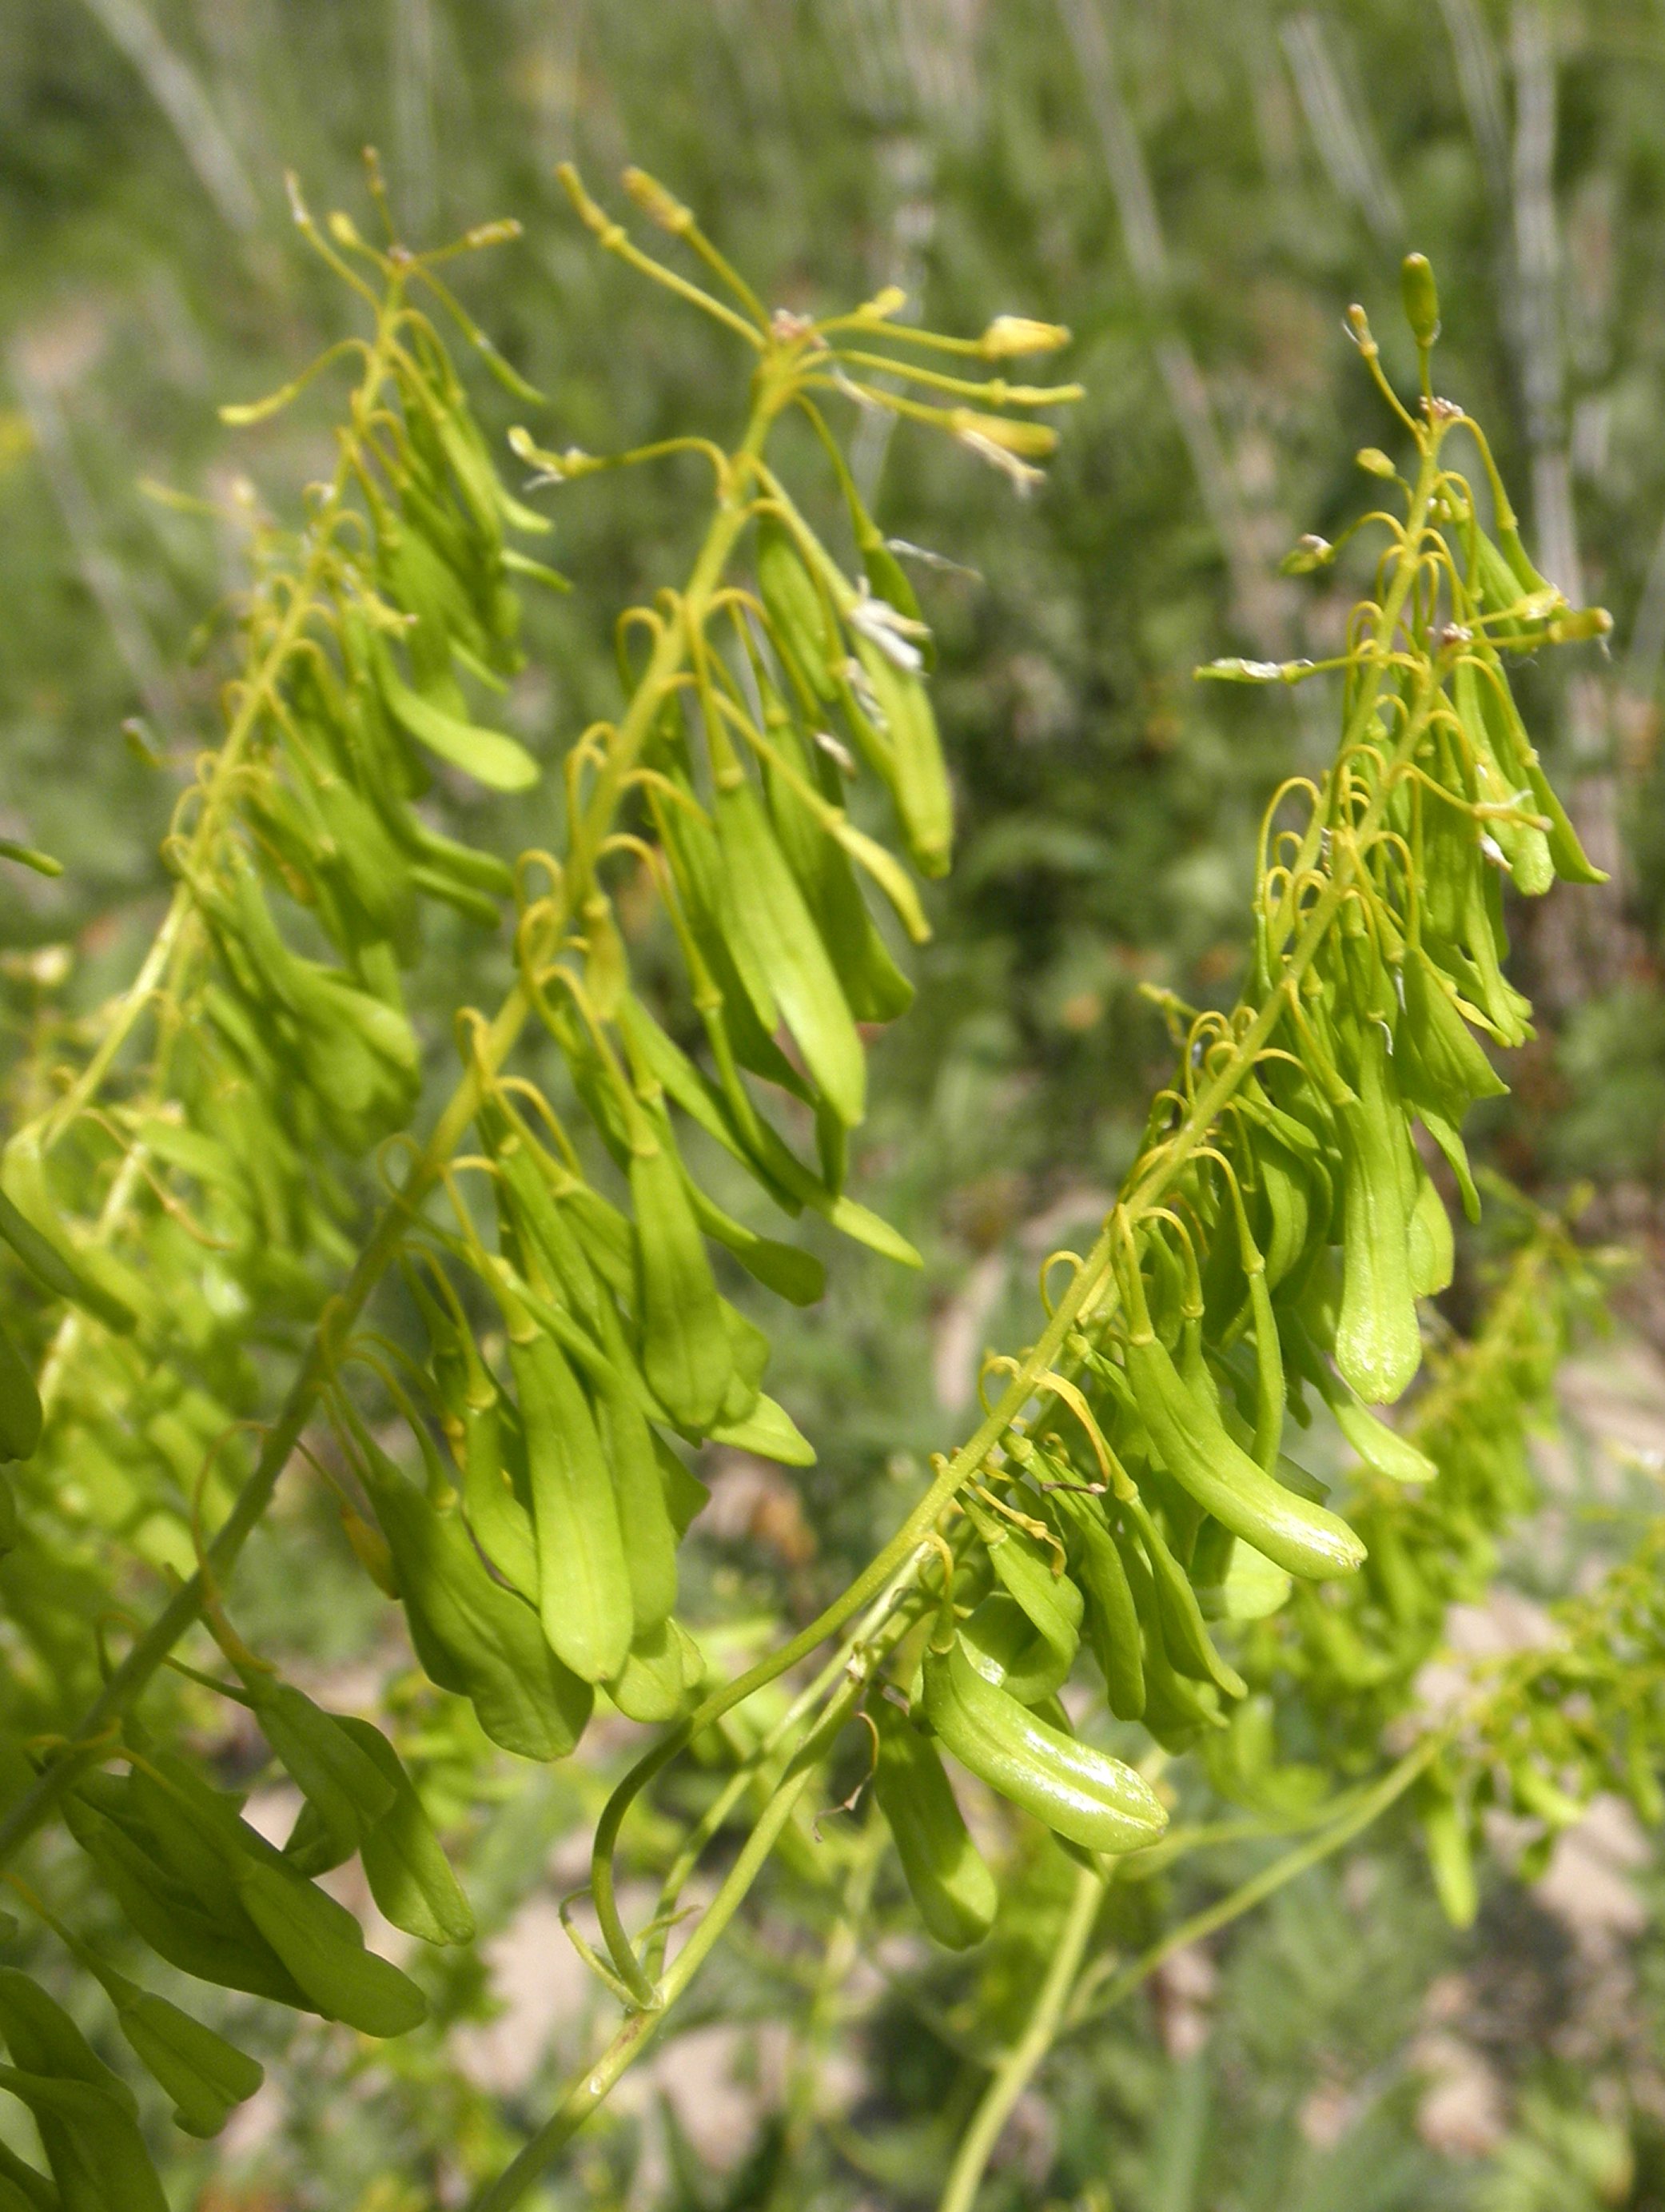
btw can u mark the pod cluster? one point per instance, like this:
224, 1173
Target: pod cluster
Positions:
1268, 1255
564, 1340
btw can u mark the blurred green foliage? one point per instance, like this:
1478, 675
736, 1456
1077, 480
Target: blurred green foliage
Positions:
1198, 187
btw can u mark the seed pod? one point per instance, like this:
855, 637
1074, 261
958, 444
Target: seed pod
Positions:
498, 762
757, 1145
791, 1272
1112, 1621
498, 1516
107, 1289
471, 1635
1441, 1059
20, 1415
1450, 1855
583, 1583
43, 2039
767, 921
1047, 1600
1189, 1647
769, 1431
347, 1791
1496, 781
1430, 1251
1006, 1648
798, 618
1378, 1345
919, 776
1377, 1444
1190, 1437
22, 2188
1077, 1792
191, 1932
644, 1512
947, 1876
874, 988
409, 1874
98, 2157
650, 1686
205, 2076
685, 1352
323, 1947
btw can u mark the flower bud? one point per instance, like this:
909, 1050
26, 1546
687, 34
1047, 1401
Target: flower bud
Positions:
1034, 441
1374, 462
1008, 335
656, 203
1306, 554
1416, 278
1582, 622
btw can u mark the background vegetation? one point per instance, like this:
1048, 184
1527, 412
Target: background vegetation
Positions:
1198, 187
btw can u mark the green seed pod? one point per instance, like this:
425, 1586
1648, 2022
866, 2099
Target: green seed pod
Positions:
769, 1431
1441, 1059
685, 1352
1004, 1646
22, 2188
1450, 1854
798, 618
323, 1947
1185, 1638
43, 2039
1498, 781
947, 1876
1077, 1792
1416, 278
499, 1517
1189, 1434
1111, 1618
919, 774
409, 1874
346, 1789
1047, 1600
1430, 1251
1178, 1711
498, 762
471, 1635
1378, 1345
650, 1686
644, 1511
103, 1285
21, 1415
205, 2076
98, 2157
584, 1584
198, 1936
767, 924
874, 988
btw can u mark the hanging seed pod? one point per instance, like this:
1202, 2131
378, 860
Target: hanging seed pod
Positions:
765, 913
798, 618
685, 1349
471, 1635
1077, 1792
1186, 1431
919, 777
947, 1876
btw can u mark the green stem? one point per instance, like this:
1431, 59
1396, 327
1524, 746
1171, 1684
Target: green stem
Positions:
639, 2028
1017, 2068
1369, 1808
